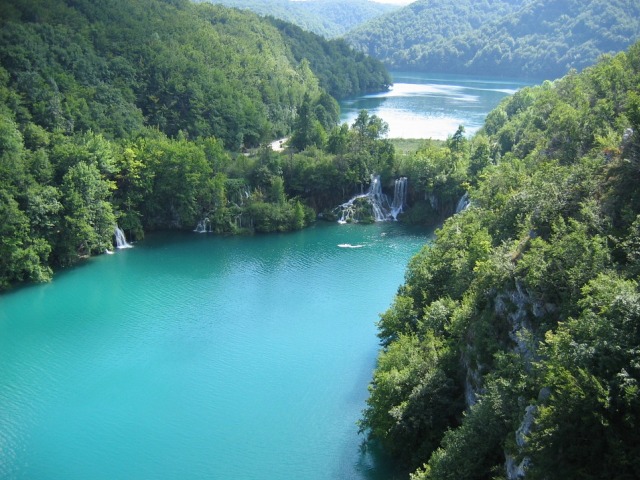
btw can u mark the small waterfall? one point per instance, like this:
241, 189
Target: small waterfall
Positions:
348, 209
379, 202
204, 226
399, 197
433, 201
463, 203
121, 240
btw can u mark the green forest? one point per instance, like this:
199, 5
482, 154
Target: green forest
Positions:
511, 350
540, 39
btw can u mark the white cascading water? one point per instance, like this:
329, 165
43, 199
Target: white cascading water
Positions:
379, 202
463, 203
399, 197
121, 240
348, 209
204, 226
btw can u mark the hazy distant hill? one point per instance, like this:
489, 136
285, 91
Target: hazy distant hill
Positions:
424, 23
329, 18
341, 70
530, 38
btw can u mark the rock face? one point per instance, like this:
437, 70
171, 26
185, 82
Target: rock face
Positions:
518, 307
515, 470
472, 383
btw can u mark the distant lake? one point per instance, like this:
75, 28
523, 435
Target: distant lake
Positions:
192, 356
423, 105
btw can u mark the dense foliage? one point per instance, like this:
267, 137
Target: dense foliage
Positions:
519, 38
512, 349
329, 18
125, 113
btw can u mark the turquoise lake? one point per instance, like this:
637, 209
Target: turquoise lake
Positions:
192, 356
425, 105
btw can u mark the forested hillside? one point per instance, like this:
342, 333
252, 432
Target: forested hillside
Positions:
511, 351
119, 112
329, 18
518, 38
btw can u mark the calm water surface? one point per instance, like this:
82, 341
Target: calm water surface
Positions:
199, 357
422, 105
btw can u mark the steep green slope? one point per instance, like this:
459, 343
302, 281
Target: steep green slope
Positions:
540, 39
511, 351
329, 18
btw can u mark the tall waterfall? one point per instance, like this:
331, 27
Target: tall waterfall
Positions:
379, 201
382, 211
399, 197
121, 240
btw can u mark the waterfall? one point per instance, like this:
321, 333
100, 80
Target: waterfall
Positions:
121, 240
348, 209
378, 200
204, 226
399, 197
433, 201
382, 211
463, 203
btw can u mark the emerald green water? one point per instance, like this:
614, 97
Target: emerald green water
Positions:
200, 357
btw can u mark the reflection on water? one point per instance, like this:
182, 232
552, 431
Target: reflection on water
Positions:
421, 105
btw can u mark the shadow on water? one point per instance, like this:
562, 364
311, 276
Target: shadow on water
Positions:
59, 274
374, 464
